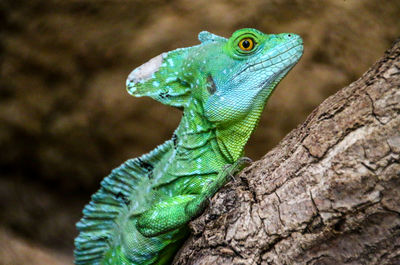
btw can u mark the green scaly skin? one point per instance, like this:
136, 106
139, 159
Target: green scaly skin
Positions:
140, 213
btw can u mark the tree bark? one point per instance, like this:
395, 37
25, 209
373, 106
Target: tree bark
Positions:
329, 193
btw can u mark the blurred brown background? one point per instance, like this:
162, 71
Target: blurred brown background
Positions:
66, 119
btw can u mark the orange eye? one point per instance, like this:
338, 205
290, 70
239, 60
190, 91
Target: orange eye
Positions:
246, 44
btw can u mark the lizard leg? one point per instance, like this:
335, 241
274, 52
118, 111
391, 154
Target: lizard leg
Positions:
164, 216
176, 211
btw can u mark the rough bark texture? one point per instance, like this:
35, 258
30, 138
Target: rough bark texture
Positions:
329, 193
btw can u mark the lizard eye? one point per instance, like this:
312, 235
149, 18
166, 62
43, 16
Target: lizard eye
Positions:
247, 44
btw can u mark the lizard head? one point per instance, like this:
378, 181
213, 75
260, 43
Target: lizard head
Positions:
251, 64
225, 75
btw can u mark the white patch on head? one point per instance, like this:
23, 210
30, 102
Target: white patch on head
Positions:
146, 70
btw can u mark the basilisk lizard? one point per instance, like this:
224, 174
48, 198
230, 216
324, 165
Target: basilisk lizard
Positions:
140, 213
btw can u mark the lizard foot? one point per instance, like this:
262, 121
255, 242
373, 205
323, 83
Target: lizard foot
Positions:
232, 169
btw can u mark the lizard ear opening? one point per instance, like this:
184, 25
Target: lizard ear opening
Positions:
159, 79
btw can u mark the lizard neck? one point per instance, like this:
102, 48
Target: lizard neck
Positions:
196, 133
227, 141
193, 121
233, 138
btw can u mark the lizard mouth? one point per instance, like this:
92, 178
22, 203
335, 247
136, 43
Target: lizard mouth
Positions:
292, 55
286, 60
275, 77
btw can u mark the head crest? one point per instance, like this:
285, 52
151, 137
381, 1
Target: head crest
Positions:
159, 79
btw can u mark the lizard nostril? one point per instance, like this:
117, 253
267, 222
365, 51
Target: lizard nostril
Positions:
289, 35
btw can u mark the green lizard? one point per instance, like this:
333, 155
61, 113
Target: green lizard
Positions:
141, 212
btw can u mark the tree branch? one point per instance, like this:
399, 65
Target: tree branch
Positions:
329, 193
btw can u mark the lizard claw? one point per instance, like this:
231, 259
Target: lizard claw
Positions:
228, 168
237, 166
244, 160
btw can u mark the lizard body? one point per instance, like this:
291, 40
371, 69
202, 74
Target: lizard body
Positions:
140, 213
